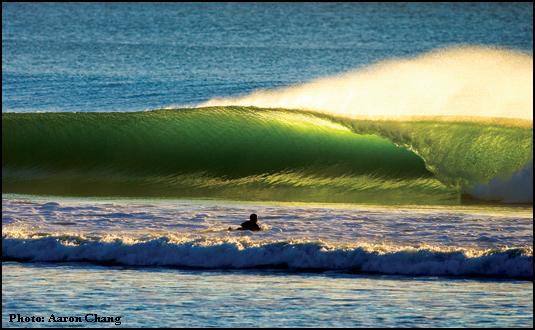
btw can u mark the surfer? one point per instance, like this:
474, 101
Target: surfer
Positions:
251, 224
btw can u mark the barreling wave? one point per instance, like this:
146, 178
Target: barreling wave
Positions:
249, 153
358, 145
231, 253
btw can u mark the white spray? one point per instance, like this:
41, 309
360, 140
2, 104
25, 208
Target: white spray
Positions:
465, 81
468, 81
516, 189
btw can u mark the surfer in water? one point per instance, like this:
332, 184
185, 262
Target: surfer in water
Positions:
251, 225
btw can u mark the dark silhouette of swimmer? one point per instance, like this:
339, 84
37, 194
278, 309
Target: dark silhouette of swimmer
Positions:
251, 225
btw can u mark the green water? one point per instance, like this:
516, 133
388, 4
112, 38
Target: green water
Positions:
256, 154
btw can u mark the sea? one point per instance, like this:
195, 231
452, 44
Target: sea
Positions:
387, 149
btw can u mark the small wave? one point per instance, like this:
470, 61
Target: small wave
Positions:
244, 253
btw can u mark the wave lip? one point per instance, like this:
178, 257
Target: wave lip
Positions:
262, 154
455, 81
245, 254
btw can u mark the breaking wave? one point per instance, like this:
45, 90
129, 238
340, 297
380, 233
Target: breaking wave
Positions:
457, 81
228, 253
349, 138
247, 153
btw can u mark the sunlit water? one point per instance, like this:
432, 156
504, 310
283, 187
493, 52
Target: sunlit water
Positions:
154, 284
119, 57
481, 227
178, 298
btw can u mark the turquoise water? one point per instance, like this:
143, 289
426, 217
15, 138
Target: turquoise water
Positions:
152, 297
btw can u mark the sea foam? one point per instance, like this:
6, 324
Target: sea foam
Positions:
518, 188
243, 253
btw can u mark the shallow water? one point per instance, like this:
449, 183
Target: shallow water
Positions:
178, 298
352, 238
484, 227
157, 241
133, 257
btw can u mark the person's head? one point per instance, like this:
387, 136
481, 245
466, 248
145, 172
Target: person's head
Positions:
253, 217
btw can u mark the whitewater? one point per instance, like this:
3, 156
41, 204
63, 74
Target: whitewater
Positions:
442, 127
324, 141
387, 149
460, 84
316, 143
434, 241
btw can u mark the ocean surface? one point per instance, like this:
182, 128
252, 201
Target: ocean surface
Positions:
386, 148
174, 263
186, 298
117, 57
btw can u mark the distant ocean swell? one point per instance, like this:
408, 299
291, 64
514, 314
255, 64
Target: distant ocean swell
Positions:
229, 253
249, 153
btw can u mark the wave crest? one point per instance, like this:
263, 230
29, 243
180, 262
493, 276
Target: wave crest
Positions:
263, 154
463, 81
229, 253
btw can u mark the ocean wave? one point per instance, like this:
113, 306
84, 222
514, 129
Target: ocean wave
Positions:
243, 253
348, 138
455, 81
518, 188
258, 154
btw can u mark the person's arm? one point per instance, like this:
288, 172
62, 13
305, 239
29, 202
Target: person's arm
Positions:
239, 228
